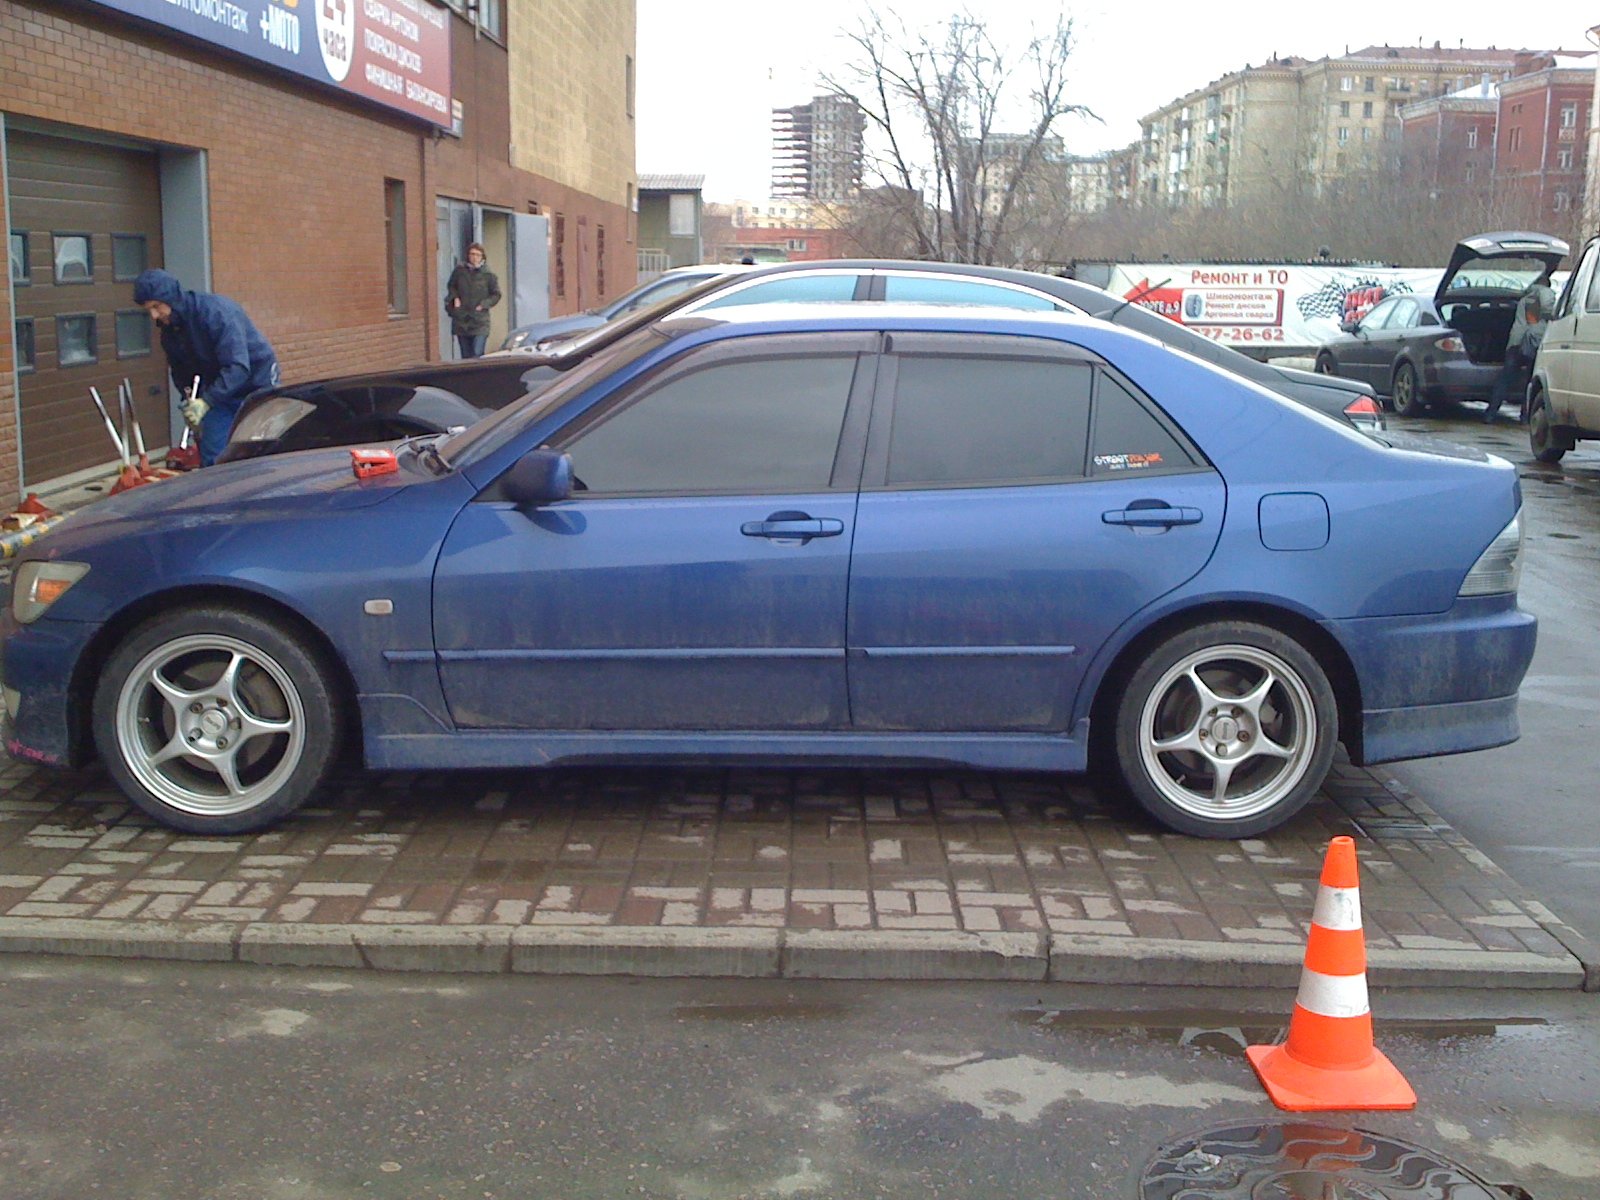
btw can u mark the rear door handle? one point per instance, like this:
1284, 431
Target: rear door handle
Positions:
793, 525
1145, 514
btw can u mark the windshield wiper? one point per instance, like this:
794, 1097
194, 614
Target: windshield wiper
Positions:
426, 447
1135, 298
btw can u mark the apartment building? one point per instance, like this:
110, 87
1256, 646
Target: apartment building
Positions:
817, 149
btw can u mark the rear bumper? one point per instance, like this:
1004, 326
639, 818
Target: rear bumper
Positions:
1438, 684
1459, 379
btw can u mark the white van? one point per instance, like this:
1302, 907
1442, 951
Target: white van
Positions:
1563, 402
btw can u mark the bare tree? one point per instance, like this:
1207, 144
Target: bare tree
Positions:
952, 150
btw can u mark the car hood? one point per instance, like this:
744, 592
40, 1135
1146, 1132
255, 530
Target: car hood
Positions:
558, 327
320, 481
1506, 244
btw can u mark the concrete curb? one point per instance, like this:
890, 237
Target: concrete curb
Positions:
761, 953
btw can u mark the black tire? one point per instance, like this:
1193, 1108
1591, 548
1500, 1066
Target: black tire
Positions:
215, 720
1405, 394
1547, 444
1227, 725
1326, 365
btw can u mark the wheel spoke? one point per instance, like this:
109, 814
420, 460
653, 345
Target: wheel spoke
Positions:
227, 684
227, 766
1208, 699
1251, 701
1267, 748
176, 748
176, 697
1188, 740
251, 726
1222, 775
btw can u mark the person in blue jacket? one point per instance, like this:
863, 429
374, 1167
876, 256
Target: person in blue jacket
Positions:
208, 336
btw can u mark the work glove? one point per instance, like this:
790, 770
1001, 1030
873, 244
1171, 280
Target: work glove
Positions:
194, 411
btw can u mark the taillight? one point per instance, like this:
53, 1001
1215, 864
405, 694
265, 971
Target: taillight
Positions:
1453, 344
1363, 412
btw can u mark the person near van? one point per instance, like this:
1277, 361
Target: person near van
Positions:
208, 337
1534, 307
472, 291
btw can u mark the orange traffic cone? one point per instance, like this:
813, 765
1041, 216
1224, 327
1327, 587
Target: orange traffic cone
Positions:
1329, 1061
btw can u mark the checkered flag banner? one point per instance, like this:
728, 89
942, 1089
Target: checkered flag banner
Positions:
1328, 300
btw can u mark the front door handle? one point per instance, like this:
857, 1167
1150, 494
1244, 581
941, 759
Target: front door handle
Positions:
796, 526
1147, 514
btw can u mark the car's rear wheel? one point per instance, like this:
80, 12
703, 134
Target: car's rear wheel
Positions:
1547, 445
1404, 393
1225, 730
214, 720
1326, 365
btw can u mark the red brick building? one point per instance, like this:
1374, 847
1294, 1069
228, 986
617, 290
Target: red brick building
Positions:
1541, 150
331, 212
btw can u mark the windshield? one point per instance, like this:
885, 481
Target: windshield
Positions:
1497, 274
488, 435
565, 355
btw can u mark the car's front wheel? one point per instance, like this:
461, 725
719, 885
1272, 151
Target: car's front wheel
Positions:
1547, 445
1225, 730
1405, 395
215, 720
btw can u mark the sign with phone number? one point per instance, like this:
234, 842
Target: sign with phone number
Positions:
1290, 308
393, 52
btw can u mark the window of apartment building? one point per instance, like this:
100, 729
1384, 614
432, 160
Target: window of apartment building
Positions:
796, 244
486, 14
627, 82
1564, 160
1472, 172
1563, 201
1366, 135
1514, 140
1366, 110
1569, 115
600, 259
1346, 83
1369, 84
680, 215
24, 343
19, 258
558, 252
1472, 138
1344, 135
1344, 108
394, 241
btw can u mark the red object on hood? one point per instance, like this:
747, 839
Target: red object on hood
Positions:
367, 463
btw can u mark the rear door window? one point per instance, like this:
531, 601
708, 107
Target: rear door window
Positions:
1130, 437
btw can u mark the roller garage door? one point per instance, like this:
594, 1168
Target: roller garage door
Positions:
85, 219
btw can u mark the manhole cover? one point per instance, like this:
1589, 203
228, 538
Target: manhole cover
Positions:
1305, 1162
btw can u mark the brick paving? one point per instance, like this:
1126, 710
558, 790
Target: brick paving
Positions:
796, 850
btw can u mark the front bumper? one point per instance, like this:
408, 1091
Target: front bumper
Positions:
1438, 684
36, 671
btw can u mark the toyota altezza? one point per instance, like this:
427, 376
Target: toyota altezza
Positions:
870, 534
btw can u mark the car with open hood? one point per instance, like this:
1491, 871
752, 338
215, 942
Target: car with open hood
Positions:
1422, 351
820, 533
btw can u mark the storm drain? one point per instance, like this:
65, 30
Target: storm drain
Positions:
1308, 1162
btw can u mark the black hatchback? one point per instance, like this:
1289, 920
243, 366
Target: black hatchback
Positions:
1425, 350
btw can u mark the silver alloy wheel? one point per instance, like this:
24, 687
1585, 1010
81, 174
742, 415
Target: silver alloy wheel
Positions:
210, 725
1228, 732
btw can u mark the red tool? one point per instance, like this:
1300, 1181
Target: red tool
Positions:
367, 463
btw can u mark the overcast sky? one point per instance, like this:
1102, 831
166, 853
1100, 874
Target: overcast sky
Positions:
711, 71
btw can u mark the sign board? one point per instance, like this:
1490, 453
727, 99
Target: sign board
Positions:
1264, 308
393, 52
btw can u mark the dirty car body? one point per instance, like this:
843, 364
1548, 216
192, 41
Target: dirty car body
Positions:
805, 533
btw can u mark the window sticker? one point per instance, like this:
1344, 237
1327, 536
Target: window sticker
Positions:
1127, 462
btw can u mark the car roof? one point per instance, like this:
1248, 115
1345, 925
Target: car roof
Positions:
823, 315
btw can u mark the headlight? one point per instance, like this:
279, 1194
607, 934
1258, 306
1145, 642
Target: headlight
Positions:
270, 420
40, 584
516, 340
1499, 568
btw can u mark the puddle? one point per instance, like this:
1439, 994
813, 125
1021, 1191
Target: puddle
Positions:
745, 1014
1229, 1033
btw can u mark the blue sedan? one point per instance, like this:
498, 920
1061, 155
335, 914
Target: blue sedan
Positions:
813, 533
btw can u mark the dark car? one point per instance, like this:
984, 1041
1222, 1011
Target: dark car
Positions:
847, 533
1421, 350
365, 408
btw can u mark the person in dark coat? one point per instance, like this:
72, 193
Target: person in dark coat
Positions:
209, 336
472, 291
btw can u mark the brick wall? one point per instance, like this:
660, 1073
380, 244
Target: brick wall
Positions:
9, 467
296, 180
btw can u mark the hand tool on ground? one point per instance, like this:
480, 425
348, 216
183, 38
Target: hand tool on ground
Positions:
111, 430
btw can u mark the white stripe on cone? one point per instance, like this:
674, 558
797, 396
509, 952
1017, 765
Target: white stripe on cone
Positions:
1337, 908
1332, 995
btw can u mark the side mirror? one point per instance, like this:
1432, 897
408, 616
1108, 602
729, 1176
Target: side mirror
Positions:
540, 476
1349, 326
